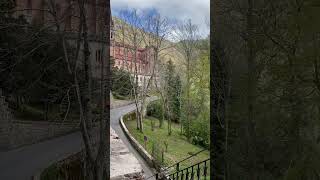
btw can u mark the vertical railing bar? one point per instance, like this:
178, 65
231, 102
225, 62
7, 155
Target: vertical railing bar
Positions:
192, 173
198, 172
177, 168
177, 175
187, 174
182, 175
205, 170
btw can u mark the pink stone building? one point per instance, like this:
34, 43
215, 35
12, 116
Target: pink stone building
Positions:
136, 61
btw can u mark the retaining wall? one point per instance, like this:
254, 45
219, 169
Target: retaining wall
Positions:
146, 156
29, 132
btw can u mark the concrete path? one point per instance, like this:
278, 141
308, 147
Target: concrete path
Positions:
114, 123
22, 163
122, 161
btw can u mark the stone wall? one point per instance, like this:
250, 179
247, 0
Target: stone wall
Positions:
14, 133
5, 122
29, 132
146, 156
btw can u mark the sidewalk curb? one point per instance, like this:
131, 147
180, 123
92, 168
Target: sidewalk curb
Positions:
146, 156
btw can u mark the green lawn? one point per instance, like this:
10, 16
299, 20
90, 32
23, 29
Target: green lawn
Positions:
178, 146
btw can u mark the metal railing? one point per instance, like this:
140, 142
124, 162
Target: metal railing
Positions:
196, 171
178, 172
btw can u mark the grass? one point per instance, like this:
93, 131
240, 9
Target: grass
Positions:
178, 146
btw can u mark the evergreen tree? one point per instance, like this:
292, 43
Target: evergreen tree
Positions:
121, 84
170, 93
177, 99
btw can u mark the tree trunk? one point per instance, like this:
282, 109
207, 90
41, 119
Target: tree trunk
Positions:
163, 113
188, 98
169, 120
251, 144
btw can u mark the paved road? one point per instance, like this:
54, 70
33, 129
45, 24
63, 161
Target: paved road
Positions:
115, 124
22, 163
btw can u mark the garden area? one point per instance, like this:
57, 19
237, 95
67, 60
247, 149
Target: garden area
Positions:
176, 126
175, 147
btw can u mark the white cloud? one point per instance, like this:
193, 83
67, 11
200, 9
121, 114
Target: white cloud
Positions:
196, 10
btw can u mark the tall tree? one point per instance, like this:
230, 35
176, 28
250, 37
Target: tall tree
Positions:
170, 93
187, 36
129, 33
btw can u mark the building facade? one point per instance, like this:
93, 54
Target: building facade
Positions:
136, 61
65, 15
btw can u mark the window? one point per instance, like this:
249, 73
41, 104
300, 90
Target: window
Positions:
98, 56
117, 51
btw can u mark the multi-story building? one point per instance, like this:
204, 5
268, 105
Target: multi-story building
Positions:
64, 14
139, 62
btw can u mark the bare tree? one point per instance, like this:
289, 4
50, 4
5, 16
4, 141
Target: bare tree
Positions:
130, 34
161, 87
95, 151
187, 36
142, 31
156, 30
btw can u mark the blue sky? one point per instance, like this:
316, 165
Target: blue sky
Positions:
176, 10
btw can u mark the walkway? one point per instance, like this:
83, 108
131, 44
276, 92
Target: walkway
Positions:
117, 128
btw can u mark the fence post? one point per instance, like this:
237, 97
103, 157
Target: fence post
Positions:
162, 156
153, 149
177, 167
205, 170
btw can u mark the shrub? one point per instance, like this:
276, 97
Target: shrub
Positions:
121, 84
200, 132
118, 96
29, 112
155, 109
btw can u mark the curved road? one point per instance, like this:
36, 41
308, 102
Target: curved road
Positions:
115, 124
22, 163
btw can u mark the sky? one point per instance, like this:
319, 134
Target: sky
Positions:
176, 10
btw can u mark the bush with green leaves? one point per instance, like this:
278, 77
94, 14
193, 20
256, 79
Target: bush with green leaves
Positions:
200, 135
30, 112
121, 83
155, 109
